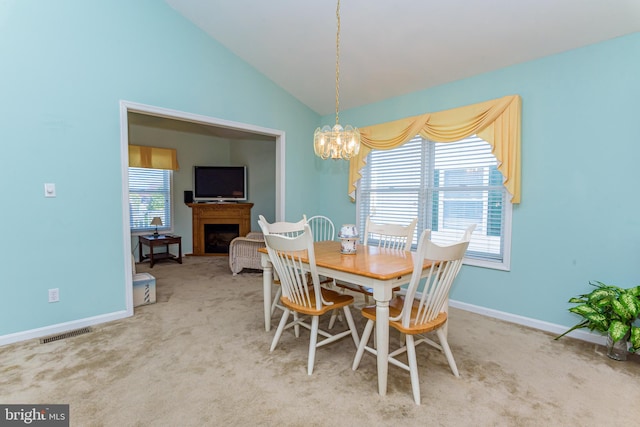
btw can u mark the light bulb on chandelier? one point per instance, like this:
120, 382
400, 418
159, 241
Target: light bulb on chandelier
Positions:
337, 142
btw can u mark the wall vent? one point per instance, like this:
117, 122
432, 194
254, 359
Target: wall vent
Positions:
65, 335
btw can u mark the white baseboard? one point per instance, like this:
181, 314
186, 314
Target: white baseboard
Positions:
532, 323
508, 317
62, 327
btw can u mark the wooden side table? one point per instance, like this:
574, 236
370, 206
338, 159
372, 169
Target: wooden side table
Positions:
161, 240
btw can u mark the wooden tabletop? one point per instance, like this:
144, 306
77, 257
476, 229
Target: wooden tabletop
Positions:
368, 261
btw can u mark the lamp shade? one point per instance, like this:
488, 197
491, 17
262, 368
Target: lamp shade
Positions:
156, 221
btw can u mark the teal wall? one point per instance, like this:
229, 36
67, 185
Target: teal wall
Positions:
259, 156
578, 220
65, 68
67, 65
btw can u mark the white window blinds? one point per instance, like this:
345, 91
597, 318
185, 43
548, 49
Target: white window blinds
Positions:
149, 196
447, 186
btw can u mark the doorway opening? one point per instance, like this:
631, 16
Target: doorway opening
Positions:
127, 107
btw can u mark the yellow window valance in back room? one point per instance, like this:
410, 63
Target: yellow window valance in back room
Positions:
496, 121
153, 157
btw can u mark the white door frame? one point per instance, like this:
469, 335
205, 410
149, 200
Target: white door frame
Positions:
125, 108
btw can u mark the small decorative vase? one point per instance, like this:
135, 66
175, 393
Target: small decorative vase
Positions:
617, 350
348, 239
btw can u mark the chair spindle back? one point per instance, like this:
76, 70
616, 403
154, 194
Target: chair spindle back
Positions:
322, 228
446, 264
286, 253
392, 236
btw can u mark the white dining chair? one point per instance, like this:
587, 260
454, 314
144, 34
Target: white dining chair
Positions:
289, 229
418, 313
304, 298
466, 237
322, 228
392, 236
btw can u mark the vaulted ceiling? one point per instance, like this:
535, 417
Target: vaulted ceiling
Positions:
394, 47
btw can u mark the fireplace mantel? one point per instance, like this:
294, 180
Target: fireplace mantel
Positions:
217, 213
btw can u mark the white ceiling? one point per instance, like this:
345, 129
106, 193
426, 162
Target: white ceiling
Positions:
394, 47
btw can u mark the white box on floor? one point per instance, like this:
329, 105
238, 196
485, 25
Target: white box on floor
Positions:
144, 289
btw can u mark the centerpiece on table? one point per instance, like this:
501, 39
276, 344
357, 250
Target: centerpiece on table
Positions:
611, 310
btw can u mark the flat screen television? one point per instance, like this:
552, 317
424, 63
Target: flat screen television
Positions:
219, 183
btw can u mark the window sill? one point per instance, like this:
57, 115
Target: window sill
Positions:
494, 265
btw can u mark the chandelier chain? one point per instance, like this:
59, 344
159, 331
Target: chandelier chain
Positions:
337, 142
338, 62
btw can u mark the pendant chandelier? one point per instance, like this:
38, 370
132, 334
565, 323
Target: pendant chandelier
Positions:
337, 142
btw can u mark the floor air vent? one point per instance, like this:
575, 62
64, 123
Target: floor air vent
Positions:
65, 335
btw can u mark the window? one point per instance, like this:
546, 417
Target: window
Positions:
149, 196
447, 186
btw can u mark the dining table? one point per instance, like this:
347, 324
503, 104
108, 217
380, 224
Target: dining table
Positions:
381, 269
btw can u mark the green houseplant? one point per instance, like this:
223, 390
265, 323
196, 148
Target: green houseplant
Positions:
610, 310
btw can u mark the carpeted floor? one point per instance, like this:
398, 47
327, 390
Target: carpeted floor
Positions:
200, 357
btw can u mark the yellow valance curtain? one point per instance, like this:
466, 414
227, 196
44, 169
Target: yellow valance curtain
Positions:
496, 121
153, 157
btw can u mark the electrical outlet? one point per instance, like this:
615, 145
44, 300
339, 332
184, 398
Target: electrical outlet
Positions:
54, 295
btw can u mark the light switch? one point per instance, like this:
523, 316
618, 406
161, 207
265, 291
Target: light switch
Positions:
49, 190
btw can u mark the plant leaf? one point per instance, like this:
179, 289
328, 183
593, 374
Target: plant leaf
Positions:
635, 338
635, 291
603, 286
631, 303
621, 310
603, 305
600, 294
583, 310
578, 326
618, 329
597, 321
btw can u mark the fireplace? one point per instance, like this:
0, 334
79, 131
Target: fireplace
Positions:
217, 237
229, 220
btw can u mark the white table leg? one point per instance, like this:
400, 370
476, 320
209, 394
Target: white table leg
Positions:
382, 344
267, 279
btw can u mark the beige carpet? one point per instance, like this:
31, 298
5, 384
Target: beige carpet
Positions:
200, 357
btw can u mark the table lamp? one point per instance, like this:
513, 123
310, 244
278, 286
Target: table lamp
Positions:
156, 221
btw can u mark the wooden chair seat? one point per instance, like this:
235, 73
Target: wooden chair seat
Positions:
334, 298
